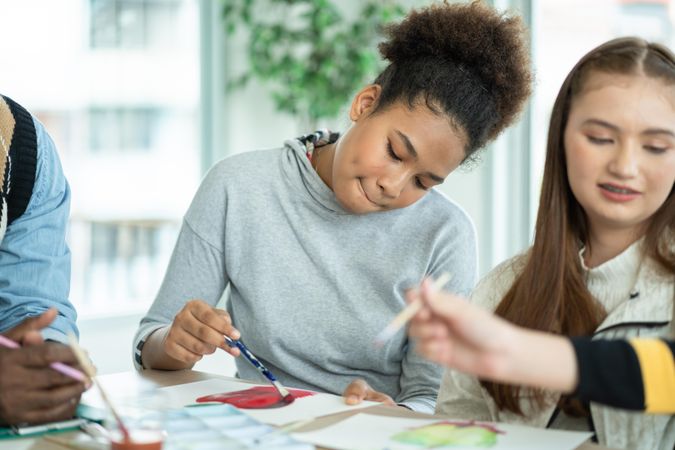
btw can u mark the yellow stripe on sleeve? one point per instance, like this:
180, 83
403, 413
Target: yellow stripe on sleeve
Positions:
658, 374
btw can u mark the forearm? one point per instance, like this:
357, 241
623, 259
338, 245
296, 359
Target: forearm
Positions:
543, 360
154, 356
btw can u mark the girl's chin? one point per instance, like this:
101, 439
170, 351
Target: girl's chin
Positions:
354, 207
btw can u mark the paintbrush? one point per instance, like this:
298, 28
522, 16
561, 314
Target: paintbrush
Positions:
286, 396
58, 366
90, 371
408, 313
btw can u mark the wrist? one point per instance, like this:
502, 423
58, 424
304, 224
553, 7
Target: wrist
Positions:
512, 358
542, 360
154, 354
151, 348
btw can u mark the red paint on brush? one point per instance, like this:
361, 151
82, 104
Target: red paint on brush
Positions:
258, 397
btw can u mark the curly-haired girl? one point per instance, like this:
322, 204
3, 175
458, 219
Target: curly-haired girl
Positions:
317, 240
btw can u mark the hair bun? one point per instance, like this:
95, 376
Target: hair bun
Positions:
474, 36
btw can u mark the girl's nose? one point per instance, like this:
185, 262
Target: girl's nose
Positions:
624, 163
392, 183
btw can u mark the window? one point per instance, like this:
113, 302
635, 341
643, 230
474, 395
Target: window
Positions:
124, 114
126, 261
133, 23
123, 129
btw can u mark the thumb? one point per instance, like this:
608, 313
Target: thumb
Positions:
32, 337
429, 294
35, 323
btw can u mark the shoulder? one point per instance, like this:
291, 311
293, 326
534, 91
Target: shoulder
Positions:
247, 169
246, 164
50, 180
654, 272
47, 155
239, 173
453, 230
47, 188
446, 237
492, 287
438, 211
451, 227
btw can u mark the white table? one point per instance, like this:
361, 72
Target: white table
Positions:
124, 381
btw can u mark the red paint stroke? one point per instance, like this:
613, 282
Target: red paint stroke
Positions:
258, 397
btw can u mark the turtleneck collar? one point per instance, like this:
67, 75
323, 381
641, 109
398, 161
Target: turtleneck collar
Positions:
620, 273
314, 185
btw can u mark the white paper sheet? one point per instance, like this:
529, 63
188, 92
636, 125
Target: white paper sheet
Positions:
186, 394
366, 432
301, 409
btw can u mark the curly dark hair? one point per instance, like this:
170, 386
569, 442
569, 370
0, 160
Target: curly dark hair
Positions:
467, 61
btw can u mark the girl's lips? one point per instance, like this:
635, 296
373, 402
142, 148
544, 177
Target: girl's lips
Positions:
363, 191
618, 194
619, 189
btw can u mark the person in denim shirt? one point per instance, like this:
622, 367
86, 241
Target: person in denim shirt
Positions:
34, 273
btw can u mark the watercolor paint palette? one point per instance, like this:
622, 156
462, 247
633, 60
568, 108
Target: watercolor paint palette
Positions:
224, 427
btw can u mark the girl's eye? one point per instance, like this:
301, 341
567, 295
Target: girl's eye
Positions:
655, 150
390, 151
599, 141
419, 184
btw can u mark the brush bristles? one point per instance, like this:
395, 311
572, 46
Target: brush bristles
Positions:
286, 396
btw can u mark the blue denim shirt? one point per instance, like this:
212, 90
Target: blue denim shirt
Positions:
34, 256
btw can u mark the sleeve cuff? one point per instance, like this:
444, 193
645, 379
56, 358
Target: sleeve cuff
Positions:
421, 405
609, 373
59, 329
50, 334
138, 347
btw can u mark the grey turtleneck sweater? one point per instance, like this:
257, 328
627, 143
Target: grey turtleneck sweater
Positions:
311, 285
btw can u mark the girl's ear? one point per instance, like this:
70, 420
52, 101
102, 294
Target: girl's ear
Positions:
364, 101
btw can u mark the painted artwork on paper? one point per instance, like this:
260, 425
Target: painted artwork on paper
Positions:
448, 434
257, 397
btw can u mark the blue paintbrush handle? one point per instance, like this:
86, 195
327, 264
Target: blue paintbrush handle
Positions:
252, 359
285, 394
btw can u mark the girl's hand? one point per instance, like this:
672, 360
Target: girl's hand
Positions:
452, 332
359, 390
198, 330
457, 334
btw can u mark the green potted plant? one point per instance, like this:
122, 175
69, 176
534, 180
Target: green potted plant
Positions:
307, 53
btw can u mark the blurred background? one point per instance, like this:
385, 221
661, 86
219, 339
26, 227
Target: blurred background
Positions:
143, 96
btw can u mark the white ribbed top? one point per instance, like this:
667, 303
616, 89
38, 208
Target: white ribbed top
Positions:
612, 281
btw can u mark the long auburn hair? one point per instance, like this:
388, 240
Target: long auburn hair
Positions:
550, 294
